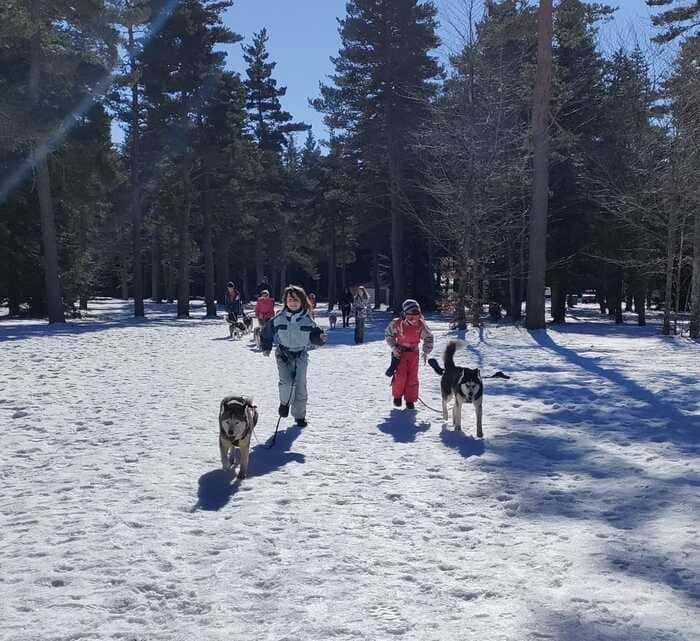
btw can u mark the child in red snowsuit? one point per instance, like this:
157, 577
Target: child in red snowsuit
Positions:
264, 307
403, 335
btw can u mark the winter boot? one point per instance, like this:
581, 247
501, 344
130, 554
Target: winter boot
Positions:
301, 422
397, 402
410, 405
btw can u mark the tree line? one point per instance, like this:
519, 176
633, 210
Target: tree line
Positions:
529, 158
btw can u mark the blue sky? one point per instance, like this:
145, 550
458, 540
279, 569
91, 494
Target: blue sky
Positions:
304, 34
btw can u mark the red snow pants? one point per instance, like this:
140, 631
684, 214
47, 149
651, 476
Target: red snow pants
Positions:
405, 381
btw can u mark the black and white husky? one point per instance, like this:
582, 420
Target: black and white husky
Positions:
462, 383
237, 419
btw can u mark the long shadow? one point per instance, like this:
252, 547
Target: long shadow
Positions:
401, 425
217, 487
462, 443
681, 428
656, 568
264, 460
215, 490
20, 331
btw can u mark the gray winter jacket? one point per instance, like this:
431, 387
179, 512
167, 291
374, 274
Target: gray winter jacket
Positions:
294, 332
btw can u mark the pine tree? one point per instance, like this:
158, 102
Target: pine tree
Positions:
181, 68
683, 18
62, 56
383, 82
272, 125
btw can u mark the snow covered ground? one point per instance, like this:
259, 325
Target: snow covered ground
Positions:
575, 519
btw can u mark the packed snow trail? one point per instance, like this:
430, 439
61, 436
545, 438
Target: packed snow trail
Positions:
576, 518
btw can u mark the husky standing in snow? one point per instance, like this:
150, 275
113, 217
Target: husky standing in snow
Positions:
462, 384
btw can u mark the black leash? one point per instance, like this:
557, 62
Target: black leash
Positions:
289, 400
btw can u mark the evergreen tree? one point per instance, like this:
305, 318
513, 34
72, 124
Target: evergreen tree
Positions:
382, 86
683, 18
181, 68
60, 55
272, 125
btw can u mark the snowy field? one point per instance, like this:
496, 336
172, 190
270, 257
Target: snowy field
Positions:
576, 518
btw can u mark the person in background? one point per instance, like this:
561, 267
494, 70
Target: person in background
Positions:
345, 304
312, 304
233, 303
264, 307
360, 305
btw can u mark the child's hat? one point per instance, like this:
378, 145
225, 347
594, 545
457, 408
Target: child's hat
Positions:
410, 306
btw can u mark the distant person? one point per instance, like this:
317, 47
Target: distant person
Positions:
360, 307
295, 333
312, 304
264, 307
232, 300
345, 304
332, 318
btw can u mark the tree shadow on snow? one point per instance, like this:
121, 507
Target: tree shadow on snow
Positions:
401, 425
679, 428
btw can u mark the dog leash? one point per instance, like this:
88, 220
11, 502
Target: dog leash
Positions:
428, 406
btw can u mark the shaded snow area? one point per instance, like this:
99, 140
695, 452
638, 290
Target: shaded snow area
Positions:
574, 519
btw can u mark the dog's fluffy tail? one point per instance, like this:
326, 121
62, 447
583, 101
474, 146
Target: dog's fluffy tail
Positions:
434, 364
449, 357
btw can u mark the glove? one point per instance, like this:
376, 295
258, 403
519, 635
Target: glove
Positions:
396, 352
266, 353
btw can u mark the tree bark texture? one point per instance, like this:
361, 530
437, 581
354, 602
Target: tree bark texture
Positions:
540, 195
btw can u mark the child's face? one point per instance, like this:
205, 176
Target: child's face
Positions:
412, 318
293, 303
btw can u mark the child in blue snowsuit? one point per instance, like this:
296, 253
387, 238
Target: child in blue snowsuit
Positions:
295, 333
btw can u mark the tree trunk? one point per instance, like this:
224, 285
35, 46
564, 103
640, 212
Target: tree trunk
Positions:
156, 295
670, 242
375, 277
639, 297
136, 213
397, 223
695, 285
208, 248
540, 195
558, 301
183, 283
259, 255
124, 279
222, 250
332, 262
48, 221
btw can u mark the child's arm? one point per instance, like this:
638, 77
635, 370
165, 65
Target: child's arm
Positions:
390, 337
428, 341
316, 335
